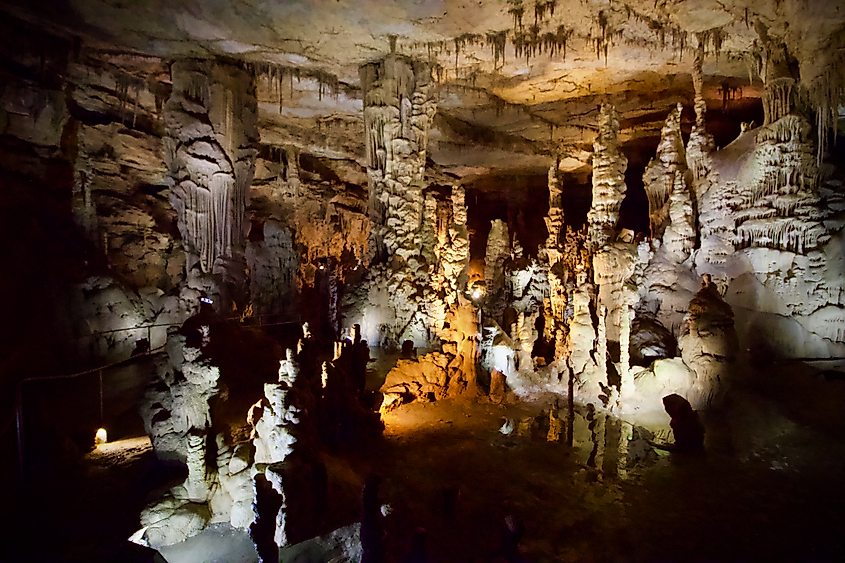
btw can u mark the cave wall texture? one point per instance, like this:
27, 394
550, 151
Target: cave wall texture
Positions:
571, 169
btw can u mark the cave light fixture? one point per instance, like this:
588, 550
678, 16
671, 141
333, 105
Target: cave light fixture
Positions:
101, 437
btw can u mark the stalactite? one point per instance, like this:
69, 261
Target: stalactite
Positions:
517, 10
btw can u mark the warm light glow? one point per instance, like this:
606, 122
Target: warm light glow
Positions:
101, 437
477, 293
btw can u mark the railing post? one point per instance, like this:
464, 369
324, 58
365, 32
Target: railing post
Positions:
19, 424
101, 397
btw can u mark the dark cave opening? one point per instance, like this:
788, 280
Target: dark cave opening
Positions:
519, 199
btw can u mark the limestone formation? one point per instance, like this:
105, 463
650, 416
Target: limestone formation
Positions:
210, 152
609, 165
710, 346
424, 379
665, 174
700, 142
177, 418
778, 201
398, 108
498, 250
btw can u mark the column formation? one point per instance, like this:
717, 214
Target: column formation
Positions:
700, 143
398, 109
210, 149
609, 187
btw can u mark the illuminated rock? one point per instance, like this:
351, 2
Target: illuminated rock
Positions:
709, 347
210, 151
609, 165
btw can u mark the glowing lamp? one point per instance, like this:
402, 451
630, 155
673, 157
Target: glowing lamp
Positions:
100, 437
477, 293
206, 300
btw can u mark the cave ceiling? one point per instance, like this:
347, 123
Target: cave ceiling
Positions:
520, 80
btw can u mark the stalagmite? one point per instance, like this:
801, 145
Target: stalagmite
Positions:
398, 109
455, 257
700, 143
660, 175
709, 346
609, 166
582, 337
679, 236
627, 379
601, 346
498, 250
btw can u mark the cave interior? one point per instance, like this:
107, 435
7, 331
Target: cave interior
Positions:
422, 281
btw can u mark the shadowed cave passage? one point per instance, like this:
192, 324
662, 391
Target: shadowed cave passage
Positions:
519, 199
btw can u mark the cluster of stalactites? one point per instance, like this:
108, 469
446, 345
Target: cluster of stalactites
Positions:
609, 166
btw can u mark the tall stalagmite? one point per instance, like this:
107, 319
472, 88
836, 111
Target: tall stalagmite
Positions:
700, 142
659, 177
398, 109
609, 165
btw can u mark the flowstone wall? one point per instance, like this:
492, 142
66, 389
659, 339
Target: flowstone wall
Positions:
210, 151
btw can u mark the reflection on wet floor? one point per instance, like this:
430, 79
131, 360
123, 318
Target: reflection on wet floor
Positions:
599, 440
763, 484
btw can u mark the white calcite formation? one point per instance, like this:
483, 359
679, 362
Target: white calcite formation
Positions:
679, 236
616, 278
177, 418
777, 203
661, 178
709, 346
275, 437
398, 109
582, 337
210, 151
700, 142
609, 165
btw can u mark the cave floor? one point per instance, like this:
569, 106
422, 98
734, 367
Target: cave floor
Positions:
779, 499
769, 488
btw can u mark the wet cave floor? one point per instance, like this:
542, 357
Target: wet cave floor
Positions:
780, 501
769, 488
